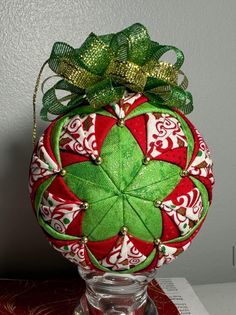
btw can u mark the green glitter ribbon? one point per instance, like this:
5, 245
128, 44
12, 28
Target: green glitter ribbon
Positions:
99, 72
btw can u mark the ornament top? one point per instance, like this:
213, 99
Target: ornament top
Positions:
105, 66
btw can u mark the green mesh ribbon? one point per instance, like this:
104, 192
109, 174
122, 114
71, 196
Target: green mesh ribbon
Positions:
99, 72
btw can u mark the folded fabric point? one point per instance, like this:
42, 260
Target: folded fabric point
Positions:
84, 240
157, 242
124, 230
98, 160
121, 122
184, 173
84, 205
62, 172
157, 203
146, 160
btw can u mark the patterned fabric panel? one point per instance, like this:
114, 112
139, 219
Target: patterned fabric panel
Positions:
202, 163
58, 212
79, 136
74, 252
168, 253
164, 134
124, 255
127, 103
184, 207
43, 164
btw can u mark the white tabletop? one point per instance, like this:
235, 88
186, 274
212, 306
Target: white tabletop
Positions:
219, 298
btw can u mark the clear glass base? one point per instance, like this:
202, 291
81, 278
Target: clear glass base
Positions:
116, 294
82, 309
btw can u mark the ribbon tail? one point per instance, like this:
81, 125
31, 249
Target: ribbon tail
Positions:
54, 106
187, 108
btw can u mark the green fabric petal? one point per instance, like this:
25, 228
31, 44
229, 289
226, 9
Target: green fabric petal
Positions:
122, 156
135, 223
89, 182
143, 219
154, 181
99, 223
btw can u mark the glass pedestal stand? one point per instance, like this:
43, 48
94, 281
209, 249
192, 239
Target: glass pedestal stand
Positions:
116, 294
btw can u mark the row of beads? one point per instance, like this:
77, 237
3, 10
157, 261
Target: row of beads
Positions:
123, 231
146, 160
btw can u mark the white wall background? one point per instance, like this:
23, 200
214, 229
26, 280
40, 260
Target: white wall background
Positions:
204, 30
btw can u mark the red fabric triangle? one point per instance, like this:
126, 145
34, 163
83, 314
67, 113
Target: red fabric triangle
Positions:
137, 127
176, 156
169, 228
75, 227
60, 243
101, 249
48, 139
68, 158
182, 243
61, 190
103, 125
184, 186
144, 247
141, 100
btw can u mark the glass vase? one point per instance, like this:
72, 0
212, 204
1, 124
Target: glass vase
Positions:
116, 294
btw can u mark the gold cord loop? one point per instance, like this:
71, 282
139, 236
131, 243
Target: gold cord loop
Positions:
34, 130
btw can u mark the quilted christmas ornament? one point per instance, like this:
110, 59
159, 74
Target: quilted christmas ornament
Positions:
121, 180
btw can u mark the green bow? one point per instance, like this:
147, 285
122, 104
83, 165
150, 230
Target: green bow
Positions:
99, 72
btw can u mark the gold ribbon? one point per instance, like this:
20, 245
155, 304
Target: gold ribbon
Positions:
104, 66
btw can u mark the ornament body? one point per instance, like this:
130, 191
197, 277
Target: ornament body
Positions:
123, 189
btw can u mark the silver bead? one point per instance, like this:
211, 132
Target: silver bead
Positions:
124, 230
157, 241
84, 205
63, 172
98, 160
157, 203
84, 240
184, 173
146, 160
121, 122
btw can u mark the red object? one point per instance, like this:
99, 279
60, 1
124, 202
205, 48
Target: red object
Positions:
60, 297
